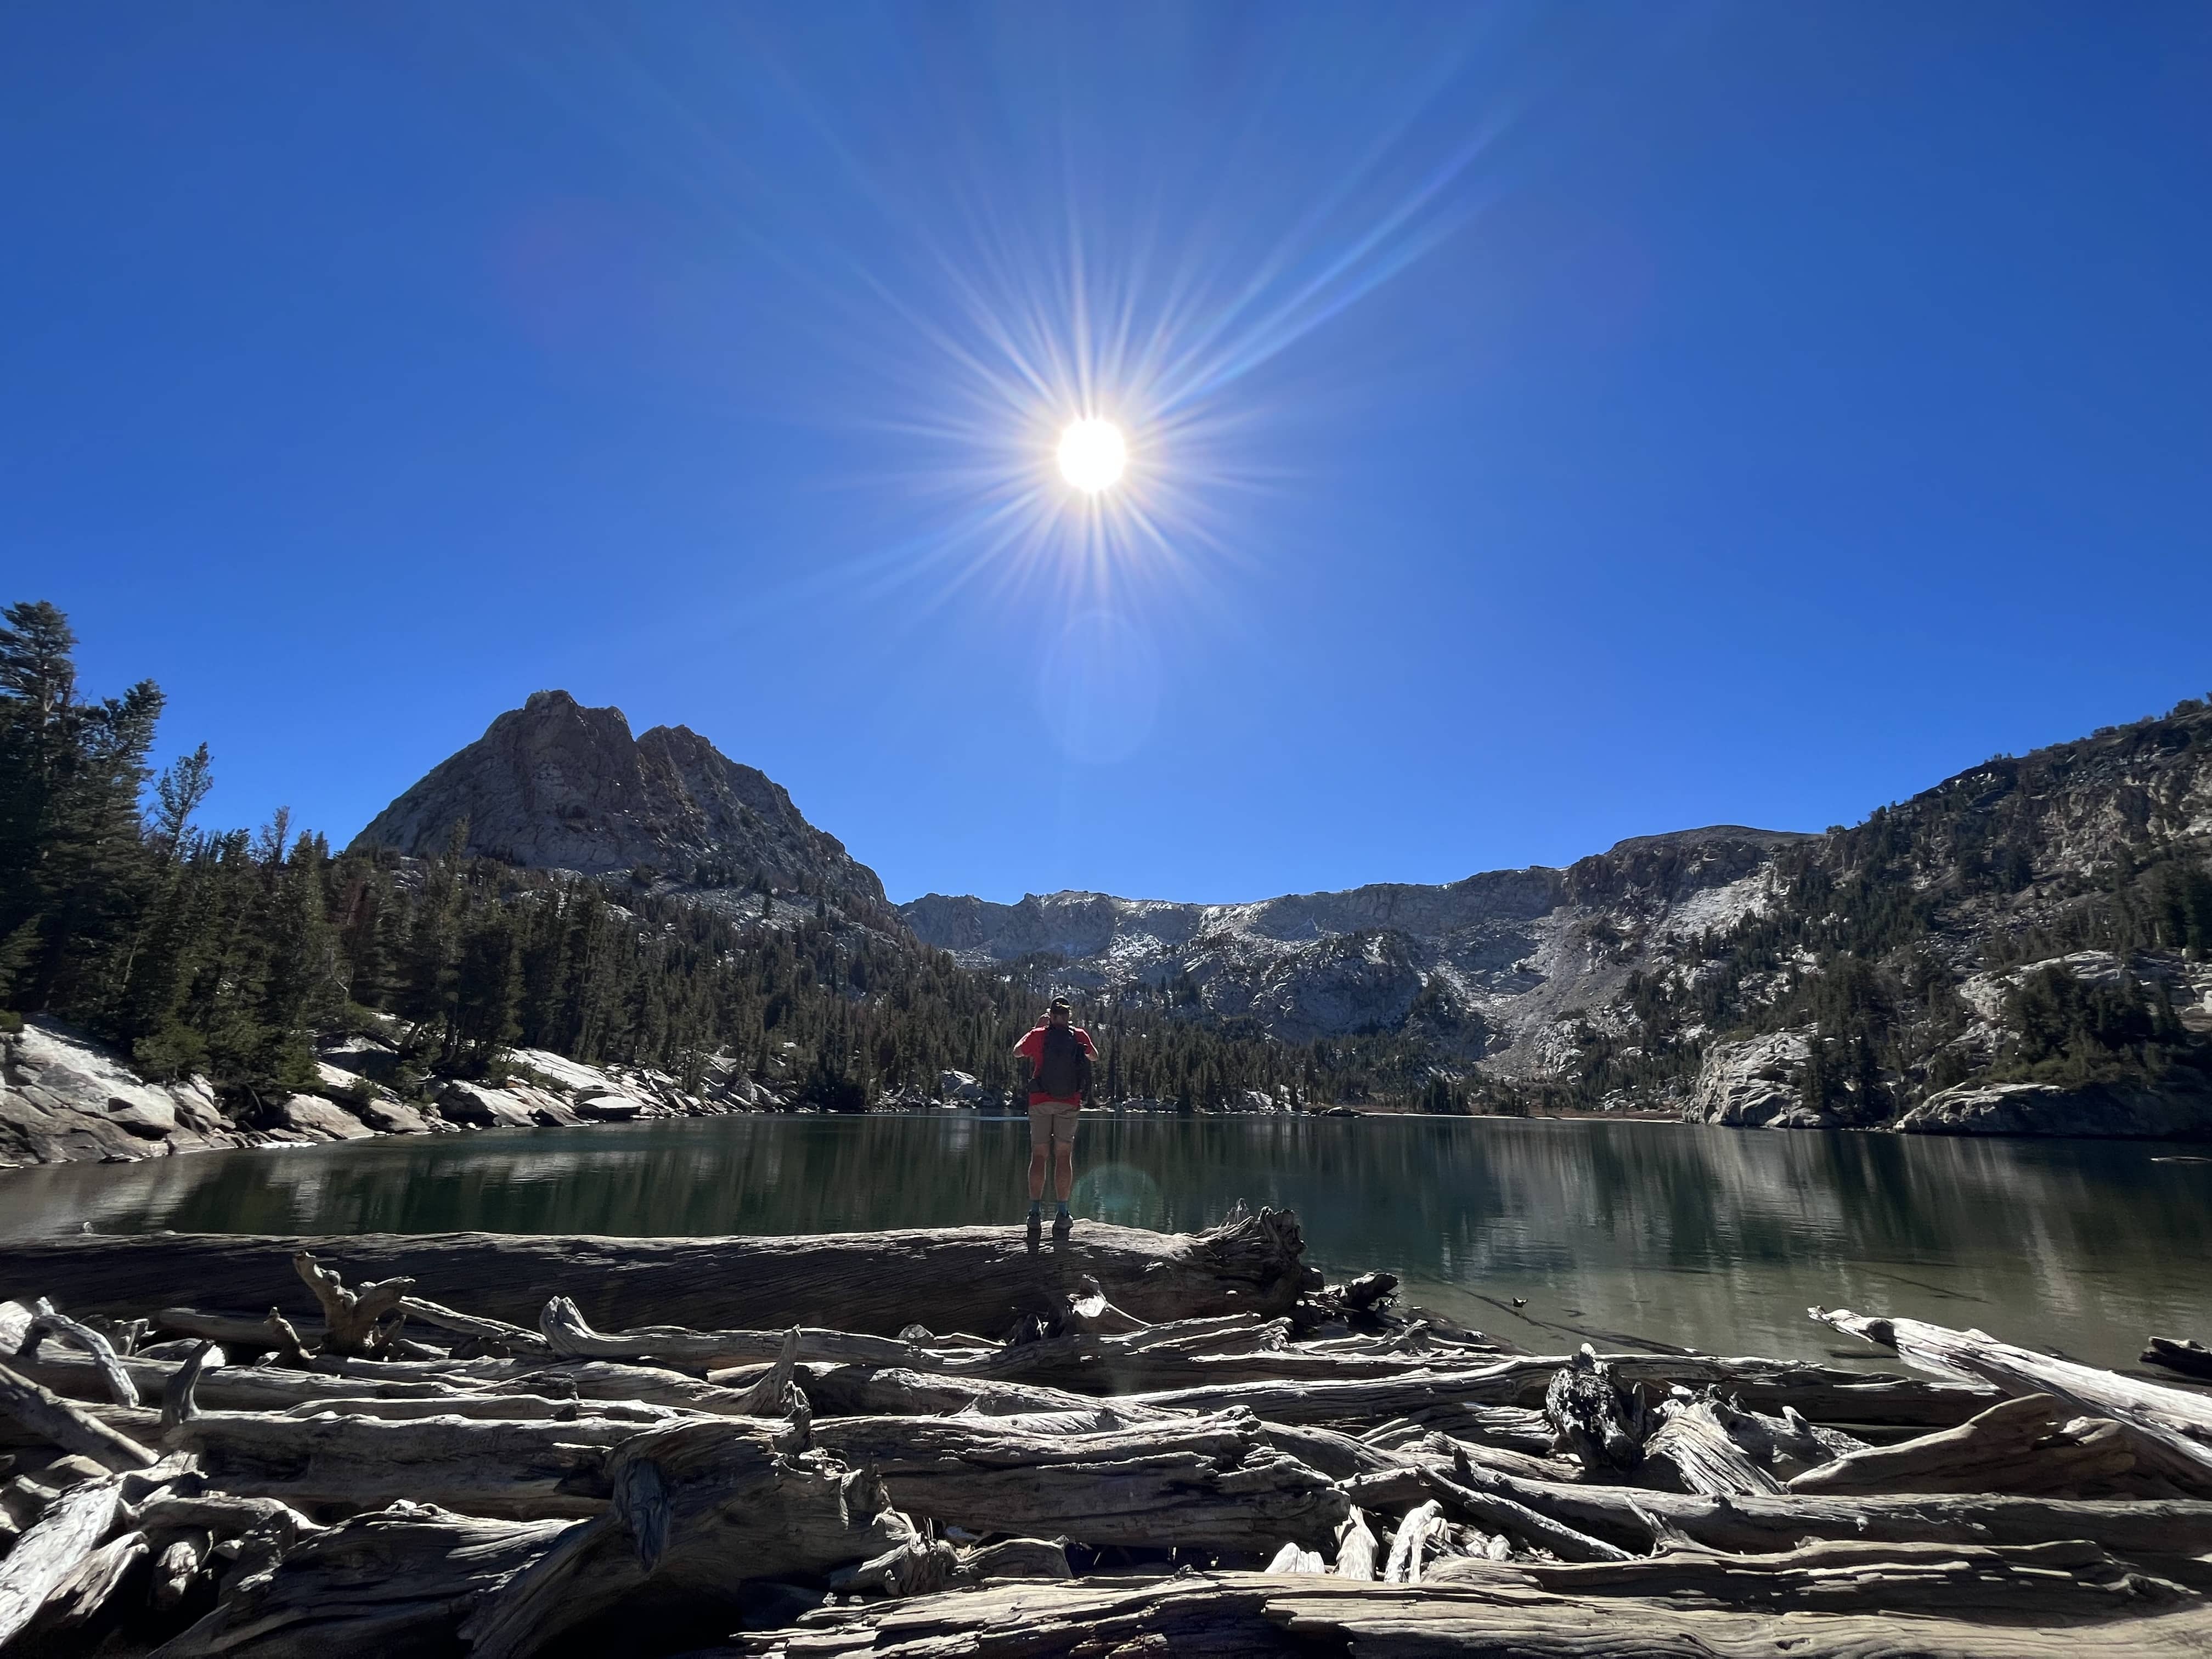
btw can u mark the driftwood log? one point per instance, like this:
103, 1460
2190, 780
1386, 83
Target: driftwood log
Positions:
2018, 1446
508, 1469
700, 1509
1210, 1481
1823, 1393
1492, 1612
49, 1552
68, 1425
959, 1279
2177, 1422
654, 1481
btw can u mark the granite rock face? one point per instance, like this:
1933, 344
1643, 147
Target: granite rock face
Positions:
556, 786
65, 1099
2132, 1111
1753, 1084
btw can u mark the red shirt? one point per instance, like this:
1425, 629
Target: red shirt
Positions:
1031, 1049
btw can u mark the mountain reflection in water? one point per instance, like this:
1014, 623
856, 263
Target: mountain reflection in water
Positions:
1704, 1237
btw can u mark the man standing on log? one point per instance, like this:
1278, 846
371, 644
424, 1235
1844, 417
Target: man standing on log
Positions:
1060, 1055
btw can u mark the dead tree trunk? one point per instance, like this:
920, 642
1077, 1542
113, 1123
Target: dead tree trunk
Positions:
1594, 1418
360, 1321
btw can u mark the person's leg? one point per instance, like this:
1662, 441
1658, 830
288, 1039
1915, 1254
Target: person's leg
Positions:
1064, 1161
1040, 1155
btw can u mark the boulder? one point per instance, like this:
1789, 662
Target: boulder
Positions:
958, 1086
323, 1120
65, 1097
2173, 1109
389, 1117
610, 1108
483, 1109
1755, 1085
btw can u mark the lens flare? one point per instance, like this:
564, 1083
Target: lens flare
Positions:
1092, 455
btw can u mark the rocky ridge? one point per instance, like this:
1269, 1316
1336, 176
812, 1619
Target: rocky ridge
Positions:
1490, 965
1707, 969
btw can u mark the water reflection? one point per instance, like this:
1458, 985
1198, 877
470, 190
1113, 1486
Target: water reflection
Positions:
1707, 1237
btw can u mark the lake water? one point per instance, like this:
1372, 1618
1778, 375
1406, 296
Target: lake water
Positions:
1710, 1238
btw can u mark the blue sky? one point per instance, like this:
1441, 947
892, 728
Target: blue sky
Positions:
1547, 424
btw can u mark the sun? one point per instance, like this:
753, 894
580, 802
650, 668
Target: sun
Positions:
1092, 454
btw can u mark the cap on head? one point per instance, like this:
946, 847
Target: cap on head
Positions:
1061, 1005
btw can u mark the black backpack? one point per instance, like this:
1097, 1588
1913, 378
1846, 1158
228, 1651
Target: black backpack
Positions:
1063, 1069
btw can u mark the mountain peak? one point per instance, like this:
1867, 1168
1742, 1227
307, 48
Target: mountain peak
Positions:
556, 784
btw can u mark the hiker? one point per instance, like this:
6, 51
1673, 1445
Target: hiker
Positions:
1060, 1055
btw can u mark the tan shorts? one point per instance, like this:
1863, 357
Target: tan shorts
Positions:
1052, 1118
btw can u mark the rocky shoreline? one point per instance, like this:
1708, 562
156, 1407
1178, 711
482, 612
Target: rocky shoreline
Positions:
67, 1098
803, 1449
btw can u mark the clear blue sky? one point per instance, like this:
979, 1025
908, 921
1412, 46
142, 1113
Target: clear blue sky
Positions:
1547, 424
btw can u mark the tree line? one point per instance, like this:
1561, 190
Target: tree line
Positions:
231, 953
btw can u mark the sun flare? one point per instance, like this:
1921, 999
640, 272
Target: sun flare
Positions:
1092, 455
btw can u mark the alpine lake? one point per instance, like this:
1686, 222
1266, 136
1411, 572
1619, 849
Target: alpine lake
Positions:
1615, 1233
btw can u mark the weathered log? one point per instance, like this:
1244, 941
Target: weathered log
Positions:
1409, 1542
700, 1508
2018, 1445
67, 1425
501, 1407
1476, 1492
180, 1393
45, 1322
496, 1335
1505, 1616
394, 1582
1366, 1400
2191, 1358
1429, 1446
570, 1335
1355, 1548
1292, 1559
242, 1388
51, 1549
1694, 1446
1212, 1481
1641, 1519
1598, 1421
893, 1391
355, 1322
2057, 1582
1785, 1445
1819, 1392
2179, 1422
953, 1278
770, 1394
90, 1585
522, 1471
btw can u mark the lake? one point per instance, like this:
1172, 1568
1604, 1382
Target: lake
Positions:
1710, 1239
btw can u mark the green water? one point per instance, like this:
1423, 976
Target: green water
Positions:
1712, 1238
